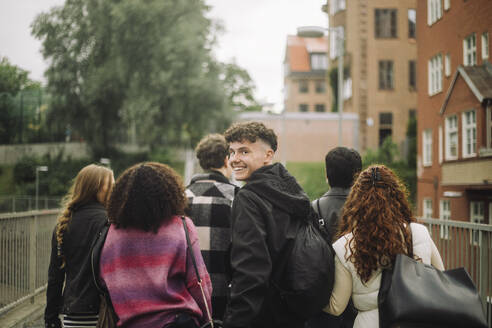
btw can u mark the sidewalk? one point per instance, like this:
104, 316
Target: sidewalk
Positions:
26, 315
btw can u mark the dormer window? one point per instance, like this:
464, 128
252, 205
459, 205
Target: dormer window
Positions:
319, 62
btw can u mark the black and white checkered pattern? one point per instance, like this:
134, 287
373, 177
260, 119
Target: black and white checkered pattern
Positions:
210, 198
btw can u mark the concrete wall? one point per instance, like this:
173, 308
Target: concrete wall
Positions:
10, 154
307, 137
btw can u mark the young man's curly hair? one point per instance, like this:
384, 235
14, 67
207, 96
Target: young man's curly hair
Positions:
378, 215
251, 131
211, 151
145, 195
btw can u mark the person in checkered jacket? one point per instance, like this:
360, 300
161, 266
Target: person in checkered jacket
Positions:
210, 196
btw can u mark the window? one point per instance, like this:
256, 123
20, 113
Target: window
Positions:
303, 107
303, 86
412, 75
412, 23
427, 147
451, 137
320, 86
336, 6
470, 50
385, 75
385, 23
318, 62
447, 4
469, 134
385, 126
427, 212
440, 144
320, 108
488, 125
434, 11
337, 36
445, 214
347, 88
476, 216
447, 65
485, 45
435, 75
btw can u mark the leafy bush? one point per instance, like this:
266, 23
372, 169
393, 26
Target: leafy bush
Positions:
25, 170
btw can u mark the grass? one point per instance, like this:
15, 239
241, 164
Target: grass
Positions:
311, 177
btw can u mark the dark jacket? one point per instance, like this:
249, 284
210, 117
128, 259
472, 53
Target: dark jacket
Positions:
210, 198
329, 207
266, 214
80, 294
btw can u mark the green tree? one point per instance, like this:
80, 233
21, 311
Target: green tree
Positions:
239, 88
143, 66
13, 81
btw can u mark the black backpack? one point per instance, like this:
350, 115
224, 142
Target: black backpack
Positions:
305, 273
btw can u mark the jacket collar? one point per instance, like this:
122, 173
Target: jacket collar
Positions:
337, 191
211, 175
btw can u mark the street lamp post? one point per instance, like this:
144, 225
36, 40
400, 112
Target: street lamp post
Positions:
39, 169
340, 85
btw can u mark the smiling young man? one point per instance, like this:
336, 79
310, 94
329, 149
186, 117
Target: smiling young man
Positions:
266, 213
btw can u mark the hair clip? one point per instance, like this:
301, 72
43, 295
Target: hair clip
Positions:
375, 176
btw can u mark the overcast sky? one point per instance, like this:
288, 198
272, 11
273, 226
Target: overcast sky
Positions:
255, 36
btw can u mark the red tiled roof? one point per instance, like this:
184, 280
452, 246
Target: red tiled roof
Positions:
299, 48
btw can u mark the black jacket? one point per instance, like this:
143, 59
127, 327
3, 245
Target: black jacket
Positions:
266, 213
329, 207
80, 295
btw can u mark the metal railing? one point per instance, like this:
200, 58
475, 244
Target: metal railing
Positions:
468, 245
25, 247
11, 204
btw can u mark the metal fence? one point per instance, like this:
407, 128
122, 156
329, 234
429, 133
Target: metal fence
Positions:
10, 204
25, 247
468, 245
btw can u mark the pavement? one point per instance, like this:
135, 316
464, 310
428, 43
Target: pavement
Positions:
29, 314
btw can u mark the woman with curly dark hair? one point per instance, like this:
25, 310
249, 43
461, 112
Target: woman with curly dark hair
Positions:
144, 261
376, 225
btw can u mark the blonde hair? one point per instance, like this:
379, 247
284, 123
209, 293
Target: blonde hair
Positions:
83, 190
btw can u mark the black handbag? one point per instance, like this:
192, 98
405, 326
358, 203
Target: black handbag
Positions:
413, 294
211, 322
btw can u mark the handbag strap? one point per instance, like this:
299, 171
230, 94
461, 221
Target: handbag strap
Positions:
192, 255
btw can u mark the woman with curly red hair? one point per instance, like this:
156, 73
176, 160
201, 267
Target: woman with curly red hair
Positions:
376, 225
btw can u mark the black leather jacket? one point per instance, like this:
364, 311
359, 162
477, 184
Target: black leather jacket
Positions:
80, 295
329, 207
266, 213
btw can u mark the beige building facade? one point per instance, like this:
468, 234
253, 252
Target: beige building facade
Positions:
380, 51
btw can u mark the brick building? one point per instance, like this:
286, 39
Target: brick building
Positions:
305, 64
454, 75
380, 54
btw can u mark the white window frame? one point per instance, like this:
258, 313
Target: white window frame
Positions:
347, 88
445, 215
488, 125
451, 136
427, 147
485, 45
440, 144
469, 134
476, 216
427, 208
447, 4
336, 6
470, 50
447, 65
319, 62
434, 11
435, 74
